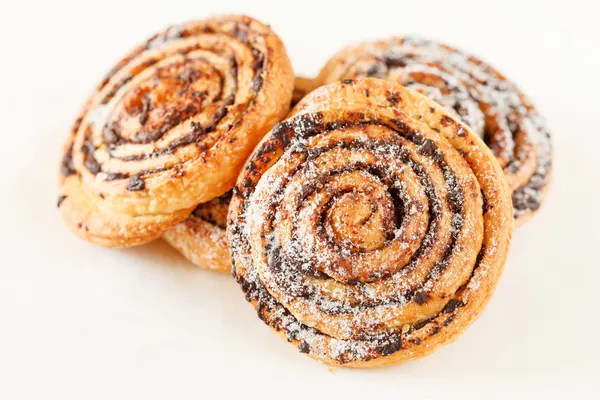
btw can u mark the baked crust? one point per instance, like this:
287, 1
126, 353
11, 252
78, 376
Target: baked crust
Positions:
170, 127
493, 106
201, 238
371, 227
302, 87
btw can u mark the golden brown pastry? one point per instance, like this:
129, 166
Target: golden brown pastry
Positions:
170, 127
201, 238
302, 86
371, 226
471, 90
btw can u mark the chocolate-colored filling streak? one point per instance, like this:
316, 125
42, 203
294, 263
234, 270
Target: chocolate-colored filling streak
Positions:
66, 167
294, 271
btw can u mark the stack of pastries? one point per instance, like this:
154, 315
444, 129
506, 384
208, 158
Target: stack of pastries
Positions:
369, 225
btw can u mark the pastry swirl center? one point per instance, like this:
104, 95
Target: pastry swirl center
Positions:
359, 222
172, 94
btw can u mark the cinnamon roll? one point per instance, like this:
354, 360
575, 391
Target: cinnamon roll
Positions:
371, 226
471, 90
170, 127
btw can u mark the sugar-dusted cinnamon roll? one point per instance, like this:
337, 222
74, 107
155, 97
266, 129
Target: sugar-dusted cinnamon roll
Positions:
471, 90
171, 126
371, 226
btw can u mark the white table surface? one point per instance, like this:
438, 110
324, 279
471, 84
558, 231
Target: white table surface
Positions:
84, 322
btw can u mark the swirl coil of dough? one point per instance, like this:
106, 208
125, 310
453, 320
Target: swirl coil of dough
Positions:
371, 226
471, 90
170, 127
201, 238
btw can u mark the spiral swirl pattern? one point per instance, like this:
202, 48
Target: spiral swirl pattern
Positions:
471, 90
369, 231
170, 127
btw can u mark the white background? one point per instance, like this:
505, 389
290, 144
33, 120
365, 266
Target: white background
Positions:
84, 322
